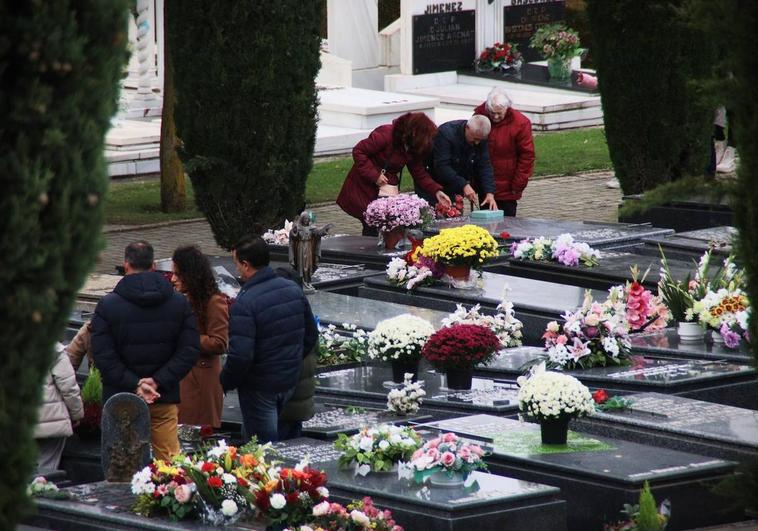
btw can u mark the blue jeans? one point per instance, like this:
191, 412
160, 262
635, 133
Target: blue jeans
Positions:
260, 413
290, 430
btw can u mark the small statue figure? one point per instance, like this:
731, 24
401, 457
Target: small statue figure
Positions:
305, 248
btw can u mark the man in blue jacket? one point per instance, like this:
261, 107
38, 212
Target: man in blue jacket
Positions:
461, 161
271, 329
144, 341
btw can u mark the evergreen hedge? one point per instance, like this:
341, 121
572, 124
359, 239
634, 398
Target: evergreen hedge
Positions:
245, 107
657, 123
60, 63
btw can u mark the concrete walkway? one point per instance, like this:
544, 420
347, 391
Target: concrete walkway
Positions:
568, 197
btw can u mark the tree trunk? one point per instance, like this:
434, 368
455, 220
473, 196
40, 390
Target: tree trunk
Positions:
173, 192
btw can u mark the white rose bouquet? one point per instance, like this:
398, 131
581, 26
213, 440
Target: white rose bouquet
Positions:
377, 449
406, 400
400, 338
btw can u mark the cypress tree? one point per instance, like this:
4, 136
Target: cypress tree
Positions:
245, 107
657, 124
60, 63
647, 519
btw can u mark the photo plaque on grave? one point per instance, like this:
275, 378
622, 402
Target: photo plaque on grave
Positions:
444, 37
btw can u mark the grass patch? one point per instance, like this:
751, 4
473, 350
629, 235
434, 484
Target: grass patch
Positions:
563, 153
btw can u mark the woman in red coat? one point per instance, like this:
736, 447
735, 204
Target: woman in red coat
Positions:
378, 162
511, 149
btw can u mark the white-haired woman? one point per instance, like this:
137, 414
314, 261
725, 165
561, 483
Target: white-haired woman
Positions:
511, 148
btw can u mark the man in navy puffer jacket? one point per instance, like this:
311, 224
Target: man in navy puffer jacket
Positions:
144, 341
271, 329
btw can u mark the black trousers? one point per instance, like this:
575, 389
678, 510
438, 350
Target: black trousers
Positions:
508, 206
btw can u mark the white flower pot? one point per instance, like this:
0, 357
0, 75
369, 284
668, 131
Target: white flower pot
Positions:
689, 332
716, 338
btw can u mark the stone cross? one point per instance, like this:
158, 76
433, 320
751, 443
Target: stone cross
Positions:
125, 439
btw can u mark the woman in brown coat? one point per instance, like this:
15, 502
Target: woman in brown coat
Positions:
202, 397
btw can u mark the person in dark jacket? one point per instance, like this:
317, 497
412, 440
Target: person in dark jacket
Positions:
378, 163
511, 149
144, 341
271, 329
300, 406
461, 162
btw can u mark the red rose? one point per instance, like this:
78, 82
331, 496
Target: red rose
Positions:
505, 235
208, 467
600, 396
206, 431
215, 482
242, 482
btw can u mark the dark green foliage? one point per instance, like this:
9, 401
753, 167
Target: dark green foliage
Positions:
388, 11
702, 187
245, 107
657, 122
60, 63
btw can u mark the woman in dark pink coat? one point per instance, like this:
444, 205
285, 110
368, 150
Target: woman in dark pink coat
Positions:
511, 149
378, 161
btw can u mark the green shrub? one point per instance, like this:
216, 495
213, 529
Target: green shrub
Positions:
648, 519
245, 107
92, 391
60, 65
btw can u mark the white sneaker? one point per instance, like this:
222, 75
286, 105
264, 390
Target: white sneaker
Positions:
613, 183
728, 163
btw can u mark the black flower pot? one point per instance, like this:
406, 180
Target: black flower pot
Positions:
459, 378
399, 368
555, 431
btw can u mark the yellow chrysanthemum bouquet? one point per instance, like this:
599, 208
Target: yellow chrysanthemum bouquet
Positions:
468, 245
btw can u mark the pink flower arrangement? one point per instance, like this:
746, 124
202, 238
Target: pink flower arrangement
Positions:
399, 211
359, 515
644, 311
447, 453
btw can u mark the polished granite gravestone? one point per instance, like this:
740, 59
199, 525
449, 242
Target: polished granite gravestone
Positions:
613, 269
368, 386
681, 424
596, 234
598, 475
489, 502
329, 421
696, 242
336, 309
733, 384
682, 215
666, 343
108, 506
535, 302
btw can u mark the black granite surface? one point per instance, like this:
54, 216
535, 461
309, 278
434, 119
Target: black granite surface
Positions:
329, 421
666, 343
698, 241
597, 483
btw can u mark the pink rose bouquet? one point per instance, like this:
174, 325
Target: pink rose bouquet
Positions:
447, 453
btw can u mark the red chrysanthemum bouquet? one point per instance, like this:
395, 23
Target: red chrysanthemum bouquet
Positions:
461, 346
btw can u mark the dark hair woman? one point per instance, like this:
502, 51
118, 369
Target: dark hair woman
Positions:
378, 162
202, 397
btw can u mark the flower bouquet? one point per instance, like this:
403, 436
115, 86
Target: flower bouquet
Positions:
279, 236
291, 494
595, 335
334, 348
643, 310
40, 487
500, 56
558, 44
725, 312
603, 402
563, 250
399, 340
456, 349
407, 399
504, 323
447, 460
166, 488
460, 249
455, 210
401, 273
377, 449
359, 515
392, 215
553, 399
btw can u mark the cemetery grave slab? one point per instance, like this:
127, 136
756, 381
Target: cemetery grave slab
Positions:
535, 302
596, 480
728, 383
330, 420
684, 214
666, 343
696, 241
533, 74
102, 505
681, 424
488, 502
595, 234
367, 386
613, 268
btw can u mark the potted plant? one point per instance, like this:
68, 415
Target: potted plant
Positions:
678, 299
456, 349
399, 340
460, 248
334, 348
553, 399
558, 44
92, 399
500, 56
377, 449
391, 216
446, 461
504, 323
